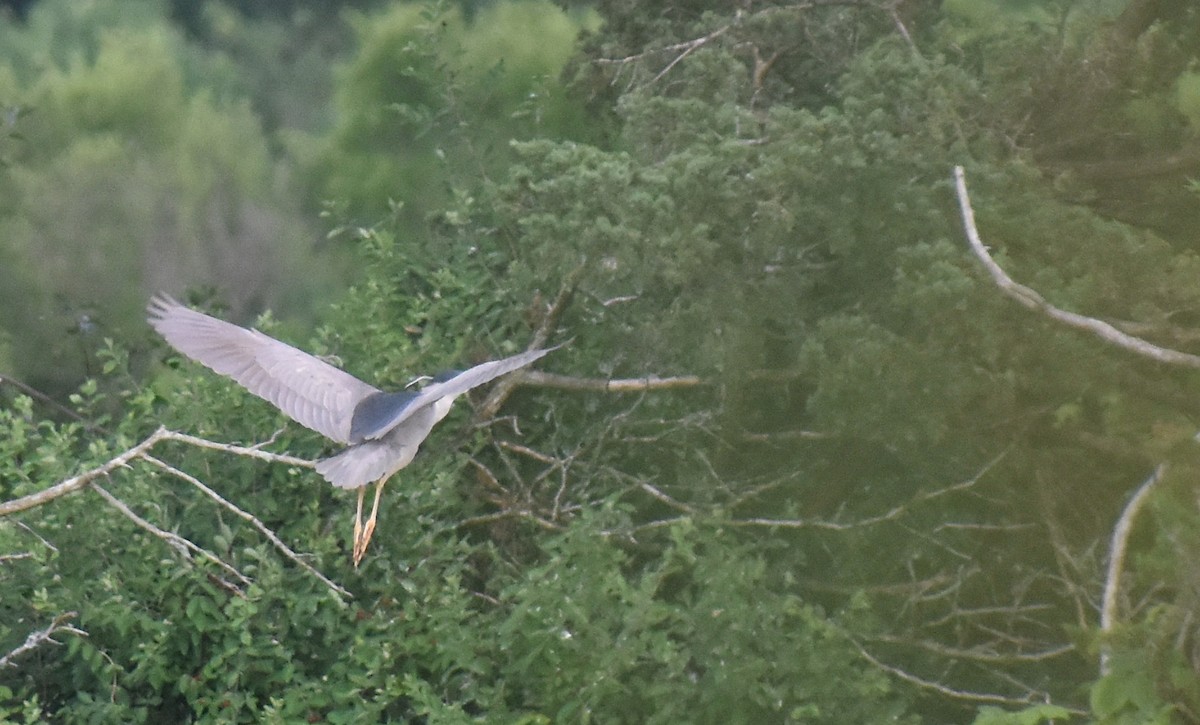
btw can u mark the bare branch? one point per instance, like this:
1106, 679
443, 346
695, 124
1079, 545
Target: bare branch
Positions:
185, 548
246, 516
673, 503
42, 636
529, 453
508, 514
982, 697
75, 483
254, 451
541, 379
1116, 559
895, 513
784, 435
687, 47
502, 389
1030, 299
978, 653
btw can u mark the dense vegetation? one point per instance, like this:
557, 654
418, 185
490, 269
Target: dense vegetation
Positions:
802, 460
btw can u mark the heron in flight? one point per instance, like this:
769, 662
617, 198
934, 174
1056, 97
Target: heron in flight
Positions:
382, 431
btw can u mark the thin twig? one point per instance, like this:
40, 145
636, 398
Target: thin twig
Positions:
247, 451
668, 500
895, 513
982, 697
504, 387
508, 514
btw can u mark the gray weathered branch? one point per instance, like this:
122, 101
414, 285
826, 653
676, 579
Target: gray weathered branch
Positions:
185, 547
1030, 299
1116, 558
42, 636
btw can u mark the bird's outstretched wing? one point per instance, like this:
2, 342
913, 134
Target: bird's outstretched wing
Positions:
310, 391
457, 385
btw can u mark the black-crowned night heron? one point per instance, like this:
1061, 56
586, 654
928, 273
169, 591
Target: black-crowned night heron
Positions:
382, 430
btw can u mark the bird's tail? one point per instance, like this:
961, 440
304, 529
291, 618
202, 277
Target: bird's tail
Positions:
362, 464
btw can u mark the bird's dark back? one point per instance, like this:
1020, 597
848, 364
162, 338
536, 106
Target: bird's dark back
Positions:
376, 411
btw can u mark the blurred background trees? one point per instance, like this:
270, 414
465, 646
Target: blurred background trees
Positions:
888, 498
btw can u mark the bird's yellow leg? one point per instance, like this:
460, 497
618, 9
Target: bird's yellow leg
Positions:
363, 537
358, 526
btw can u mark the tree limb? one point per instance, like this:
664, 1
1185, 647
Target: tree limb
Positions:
541, 379
246, 516
75, 483
41, 636
185, 547
1027, 297
1116, 559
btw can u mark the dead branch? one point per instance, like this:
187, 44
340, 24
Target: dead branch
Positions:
685, 48
42, 636
540, 379
185, 548
1116, 559
246, 516
784, 435
981, 697
255, 451
894, 513
529, 453
980, 653
75, 483
508, 514
668, 500
1030, 299
502, 389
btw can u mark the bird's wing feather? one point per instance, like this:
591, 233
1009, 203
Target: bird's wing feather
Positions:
459, 384
310, 391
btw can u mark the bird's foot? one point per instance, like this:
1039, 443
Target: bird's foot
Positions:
362, 537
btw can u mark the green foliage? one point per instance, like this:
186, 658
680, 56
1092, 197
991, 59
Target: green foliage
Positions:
1034, 715
889, 467
431, 95
676, 639
127, 178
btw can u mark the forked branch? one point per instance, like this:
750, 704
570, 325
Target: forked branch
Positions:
44, 636
187, 548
